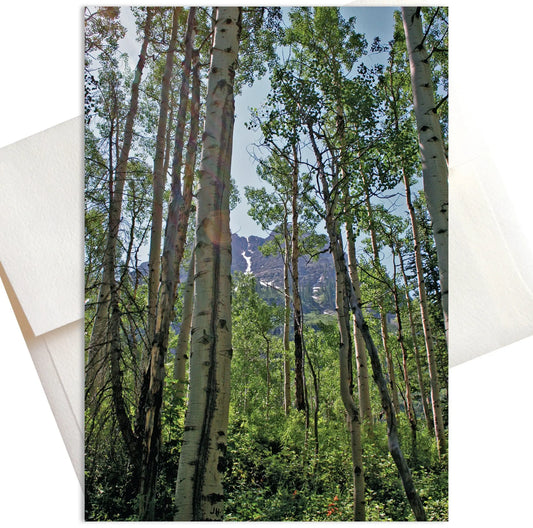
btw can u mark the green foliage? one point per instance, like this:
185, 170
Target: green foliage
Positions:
273, 471
259, 34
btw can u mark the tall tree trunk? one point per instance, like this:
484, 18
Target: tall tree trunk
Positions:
267, 342
99, 341
411, 416
346, 377
184, 337
286, 322
299, 370
418, 261
434, 164
382, 311
159, 179
423, 396
199, 493
345, 345
440, 434
178, 217
392, 427
316, 387
360, 353
360, 349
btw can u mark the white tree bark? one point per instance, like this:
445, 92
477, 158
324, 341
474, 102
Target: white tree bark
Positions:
159, 180
199, 494
153, 379
286, 323
440, 434
342, 302
360, 349
382, 311
180, 361
434, 164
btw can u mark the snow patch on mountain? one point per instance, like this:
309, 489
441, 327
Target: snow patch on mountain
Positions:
248, 262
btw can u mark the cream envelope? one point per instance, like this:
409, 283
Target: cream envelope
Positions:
41, 262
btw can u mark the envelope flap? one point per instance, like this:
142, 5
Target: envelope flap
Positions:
40, 224
491, 297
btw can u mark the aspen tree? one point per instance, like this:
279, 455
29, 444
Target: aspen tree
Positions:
345, 345
360, 350
434, 163
299, 370
427, 412
286, 319
440, 434
154, 375
382, 311
438, 426
424, 311
184, 336
411, 415
199, 494
159, 178
188, 302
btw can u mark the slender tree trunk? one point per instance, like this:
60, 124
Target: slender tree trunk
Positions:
427, 411
360, 353
99, 342
316, 387
346, 377
345, 345
360, 350
286, 323
168, 141
418, 262
440, 434
159, 179
184, 337
299, 368
392, 428
382, 311
434, 164
267, 342
177, 222
411, 416
199, 493
180, 212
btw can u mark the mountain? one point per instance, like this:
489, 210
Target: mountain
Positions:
316, 277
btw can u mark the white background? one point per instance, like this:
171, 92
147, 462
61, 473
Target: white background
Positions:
490, 420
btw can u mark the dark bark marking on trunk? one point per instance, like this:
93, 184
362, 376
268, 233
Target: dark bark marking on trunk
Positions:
212, 393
